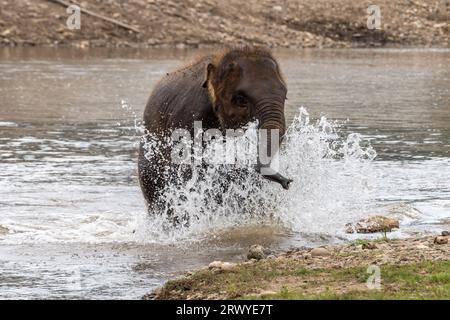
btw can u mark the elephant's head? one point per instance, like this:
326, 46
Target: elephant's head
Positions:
246, 84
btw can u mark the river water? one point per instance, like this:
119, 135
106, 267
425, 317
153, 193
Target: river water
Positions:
370, 135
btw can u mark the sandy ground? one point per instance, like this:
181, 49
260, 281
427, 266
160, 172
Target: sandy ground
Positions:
200, 23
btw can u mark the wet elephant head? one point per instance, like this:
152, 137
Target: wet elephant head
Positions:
244, 85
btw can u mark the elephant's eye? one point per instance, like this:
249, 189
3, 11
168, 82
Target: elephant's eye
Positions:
240, 100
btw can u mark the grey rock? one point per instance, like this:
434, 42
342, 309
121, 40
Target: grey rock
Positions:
349, 228
320, 252
376, 224
441, 240
3, 230
256, 252
220, 265
369, 246
277, 8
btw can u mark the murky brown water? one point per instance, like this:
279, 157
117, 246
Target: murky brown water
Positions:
71, 212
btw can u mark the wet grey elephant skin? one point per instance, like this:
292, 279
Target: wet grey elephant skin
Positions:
225, 90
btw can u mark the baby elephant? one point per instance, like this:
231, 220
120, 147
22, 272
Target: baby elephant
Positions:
223, 90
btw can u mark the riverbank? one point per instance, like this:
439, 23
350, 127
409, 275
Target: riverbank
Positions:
205, 23
414, 268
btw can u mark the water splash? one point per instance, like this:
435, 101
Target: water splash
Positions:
332, 183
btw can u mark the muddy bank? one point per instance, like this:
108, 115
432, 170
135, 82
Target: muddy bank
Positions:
414, 268
203, 23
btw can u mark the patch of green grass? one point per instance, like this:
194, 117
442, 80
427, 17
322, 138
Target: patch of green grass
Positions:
305, 272
440, 278
424, 280
284, 292
358, 274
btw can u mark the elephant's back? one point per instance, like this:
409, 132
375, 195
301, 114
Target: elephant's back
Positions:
178, 98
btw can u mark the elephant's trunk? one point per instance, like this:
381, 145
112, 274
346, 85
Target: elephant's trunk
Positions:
272, 126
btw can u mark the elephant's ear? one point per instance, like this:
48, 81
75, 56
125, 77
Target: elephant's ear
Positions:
209, 69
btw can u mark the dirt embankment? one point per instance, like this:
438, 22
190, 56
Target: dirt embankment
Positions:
415, 268
198, 23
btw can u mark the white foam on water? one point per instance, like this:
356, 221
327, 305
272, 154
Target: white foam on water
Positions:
8, 124
333, 183
333, 180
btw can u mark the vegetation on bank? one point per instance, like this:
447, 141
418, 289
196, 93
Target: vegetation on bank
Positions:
423, 280
408, 269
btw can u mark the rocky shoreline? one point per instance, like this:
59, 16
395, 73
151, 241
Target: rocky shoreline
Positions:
413, 268
211, 23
